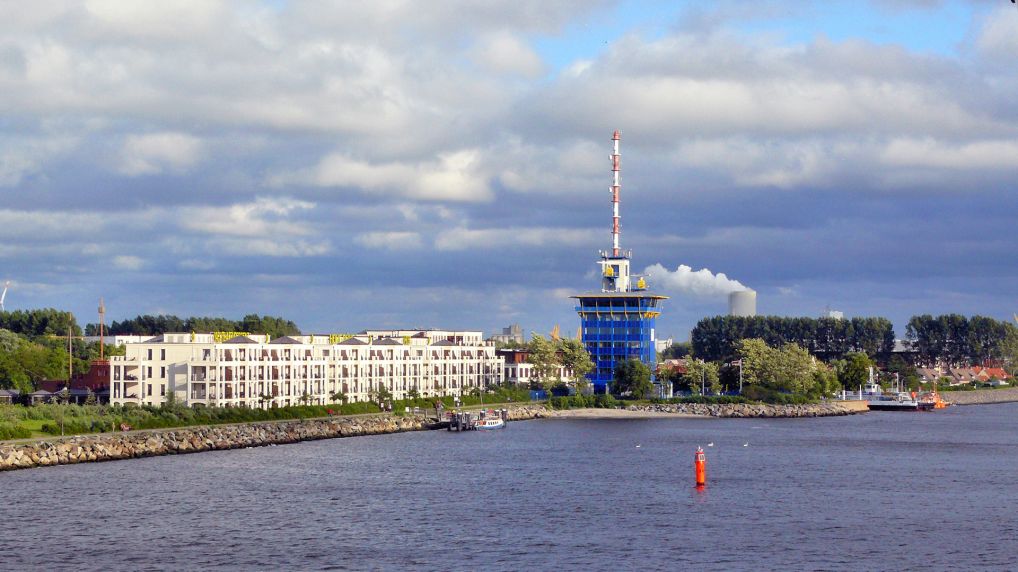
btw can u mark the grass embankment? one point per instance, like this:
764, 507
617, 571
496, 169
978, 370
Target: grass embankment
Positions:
21, 422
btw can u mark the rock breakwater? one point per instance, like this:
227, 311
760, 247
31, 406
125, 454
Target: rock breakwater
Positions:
742, 410
111, 447
980, 396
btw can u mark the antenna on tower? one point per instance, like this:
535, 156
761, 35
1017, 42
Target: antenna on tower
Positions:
4, 296
616, 168
102, 319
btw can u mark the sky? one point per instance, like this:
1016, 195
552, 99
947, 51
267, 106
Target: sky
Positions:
391, 164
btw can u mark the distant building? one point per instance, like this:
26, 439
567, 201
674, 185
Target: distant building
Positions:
662, 345
233, 369
834, 314
510, 334
517, 371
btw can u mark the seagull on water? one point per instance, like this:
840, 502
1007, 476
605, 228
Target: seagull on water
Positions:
745, 444
711, 444
637, 446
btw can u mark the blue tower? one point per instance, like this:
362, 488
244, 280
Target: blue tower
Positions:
617, 323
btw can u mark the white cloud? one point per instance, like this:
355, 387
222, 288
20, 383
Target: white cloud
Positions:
452, 177
243, 247
931, 153
394, 240
128, 262
469, 239
264, 217
197, 264
44, 226
997, 34
505, 53
157, 152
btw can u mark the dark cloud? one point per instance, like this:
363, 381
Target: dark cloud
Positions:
383, 165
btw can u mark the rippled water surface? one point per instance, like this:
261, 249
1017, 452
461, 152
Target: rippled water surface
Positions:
872, 492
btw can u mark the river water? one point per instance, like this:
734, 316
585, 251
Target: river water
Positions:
881, 491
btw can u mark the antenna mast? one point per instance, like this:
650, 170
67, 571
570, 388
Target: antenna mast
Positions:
616, 168
102, 317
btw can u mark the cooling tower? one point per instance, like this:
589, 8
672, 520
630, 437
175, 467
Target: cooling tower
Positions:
742, 303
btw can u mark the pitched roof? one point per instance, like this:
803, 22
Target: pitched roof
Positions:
444, 343
286, 340
240, 340
389, 342
352, 342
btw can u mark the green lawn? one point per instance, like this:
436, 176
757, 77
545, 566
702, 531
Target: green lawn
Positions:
35, 426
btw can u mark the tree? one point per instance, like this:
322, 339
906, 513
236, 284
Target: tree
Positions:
633, 377
543, 355
856, 370
702, 375
789, 368
574, 357
677, 350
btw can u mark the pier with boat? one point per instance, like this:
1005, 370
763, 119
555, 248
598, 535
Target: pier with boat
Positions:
477, 420
879, 400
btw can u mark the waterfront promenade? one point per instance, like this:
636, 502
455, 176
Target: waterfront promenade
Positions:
32, 453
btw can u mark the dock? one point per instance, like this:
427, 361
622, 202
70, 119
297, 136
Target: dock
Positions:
468, 420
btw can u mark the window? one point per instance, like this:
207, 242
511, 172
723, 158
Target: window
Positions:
150, 372
150, 390
162, 354
150, 353
162, 372
162, 390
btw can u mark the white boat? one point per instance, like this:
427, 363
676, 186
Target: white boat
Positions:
490, 423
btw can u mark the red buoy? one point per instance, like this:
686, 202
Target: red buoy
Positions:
700, 464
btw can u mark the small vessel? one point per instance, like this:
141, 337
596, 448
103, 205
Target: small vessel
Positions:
932, 400
490, 423
877, 400
479, 420
896, 402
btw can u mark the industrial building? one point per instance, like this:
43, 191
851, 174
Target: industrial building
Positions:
742, 303
512, 334
235, 369
617, 323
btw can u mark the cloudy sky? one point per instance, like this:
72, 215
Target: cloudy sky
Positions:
389, 163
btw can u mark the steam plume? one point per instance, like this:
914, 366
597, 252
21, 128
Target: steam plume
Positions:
700, 282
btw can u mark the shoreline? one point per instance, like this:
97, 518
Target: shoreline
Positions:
26, 454
981, 396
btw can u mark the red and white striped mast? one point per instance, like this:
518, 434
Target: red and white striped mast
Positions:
616, 167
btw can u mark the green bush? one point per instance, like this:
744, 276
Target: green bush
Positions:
11, 431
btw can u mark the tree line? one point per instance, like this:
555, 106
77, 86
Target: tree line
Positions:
957, 340
39, 322
717, 338
153, 325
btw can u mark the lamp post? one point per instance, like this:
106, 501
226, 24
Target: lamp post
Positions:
703, 377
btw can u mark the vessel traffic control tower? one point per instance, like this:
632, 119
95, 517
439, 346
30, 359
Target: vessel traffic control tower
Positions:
617, 323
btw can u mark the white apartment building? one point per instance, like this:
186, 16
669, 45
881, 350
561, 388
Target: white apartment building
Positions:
518, 371
226, 370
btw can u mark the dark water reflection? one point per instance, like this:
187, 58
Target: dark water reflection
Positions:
882, 491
